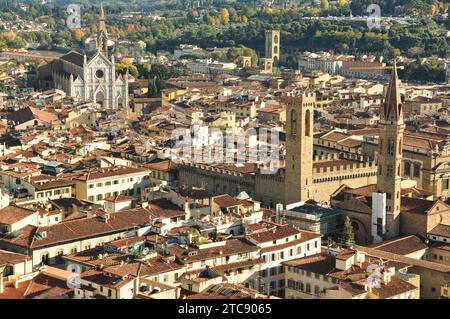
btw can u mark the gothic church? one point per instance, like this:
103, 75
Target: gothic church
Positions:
87, 78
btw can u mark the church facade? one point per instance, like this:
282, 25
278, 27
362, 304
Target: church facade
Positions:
87, 78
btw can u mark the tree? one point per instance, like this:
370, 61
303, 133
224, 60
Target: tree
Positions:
214, 235
224, 16
348, 236
123, 68
325, 4
152, 88
77, 34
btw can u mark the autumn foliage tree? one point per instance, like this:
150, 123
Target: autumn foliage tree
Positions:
78, 34
224, 16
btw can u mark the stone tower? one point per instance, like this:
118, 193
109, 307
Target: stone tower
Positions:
390, 154
299, 146
273, 46
102, 38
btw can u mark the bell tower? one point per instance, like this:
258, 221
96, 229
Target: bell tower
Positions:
390, 154
299, 147
102, 38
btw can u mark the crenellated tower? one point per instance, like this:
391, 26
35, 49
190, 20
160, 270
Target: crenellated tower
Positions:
299, 146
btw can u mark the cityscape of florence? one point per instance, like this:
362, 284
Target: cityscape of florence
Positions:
224, 150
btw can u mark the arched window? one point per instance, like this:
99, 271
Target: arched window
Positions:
400, 147
275, 49
308, 128
294, 122
275, 39
391, 147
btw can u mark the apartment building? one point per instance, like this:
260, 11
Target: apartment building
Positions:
279, 243
348, 275
46, 245
97, 185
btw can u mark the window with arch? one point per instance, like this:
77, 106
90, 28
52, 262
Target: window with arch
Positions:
416, 170
400, 147
275, 39
293, 122
275, 49
406, 168
308, 128
391, 147
389, 171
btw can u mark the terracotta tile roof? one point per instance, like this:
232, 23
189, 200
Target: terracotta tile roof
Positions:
402, 246
12, 214
10, 292
225, 201
417, 205
53, 184
82, 228
119, 198
160, 204
226, 291
11, 258
46, 287
100, 278
164, 166
321, 263
231, 247
403, 259
110, 172
276, 233
440, 230
29, 113
350, 143
73, 57
334, 137
395, 287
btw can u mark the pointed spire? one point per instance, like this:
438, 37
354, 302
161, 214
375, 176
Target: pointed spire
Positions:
101, 18
102, 13
392, 107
